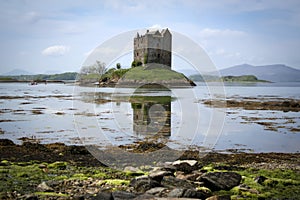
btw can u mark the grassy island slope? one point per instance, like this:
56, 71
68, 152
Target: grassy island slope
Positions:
155, 74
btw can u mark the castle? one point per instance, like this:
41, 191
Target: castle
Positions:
153, 47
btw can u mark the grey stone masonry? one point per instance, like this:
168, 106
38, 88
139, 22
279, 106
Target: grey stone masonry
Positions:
153, 47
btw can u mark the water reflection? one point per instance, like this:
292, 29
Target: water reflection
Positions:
151, 115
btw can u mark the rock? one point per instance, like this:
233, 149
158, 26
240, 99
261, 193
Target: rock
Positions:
186, 166
217, 197
133, 171
159, 174
194, 176
43, 187
120, 195
79, 197
58, 165
29, 197
187, 193
244, 187
168, 167
145, 196
42, 166
172, 182
260, 179
103, 196
157, 191
143, 183
221, 180
6, 142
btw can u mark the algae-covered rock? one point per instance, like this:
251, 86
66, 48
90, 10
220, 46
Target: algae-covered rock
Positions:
58, 165
221, 180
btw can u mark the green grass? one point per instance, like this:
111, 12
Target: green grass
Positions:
140, 73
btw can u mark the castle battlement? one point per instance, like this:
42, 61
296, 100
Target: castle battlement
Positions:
153, 47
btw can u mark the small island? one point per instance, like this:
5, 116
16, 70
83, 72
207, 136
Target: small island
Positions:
232, 79
151, 65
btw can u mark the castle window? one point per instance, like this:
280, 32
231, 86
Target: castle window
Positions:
158, 55
137, 54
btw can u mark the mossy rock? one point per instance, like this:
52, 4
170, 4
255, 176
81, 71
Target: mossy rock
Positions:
114, 182
58, 165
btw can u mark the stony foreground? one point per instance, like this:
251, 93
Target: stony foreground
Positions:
56, 171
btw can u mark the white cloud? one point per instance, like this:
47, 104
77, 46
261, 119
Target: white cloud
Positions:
208, 32
155, 26
56, 50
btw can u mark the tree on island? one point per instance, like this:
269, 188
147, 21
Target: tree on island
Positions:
136, 63
97, 68
118, 65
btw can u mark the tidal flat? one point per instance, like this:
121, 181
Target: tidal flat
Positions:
57, 171
47, 130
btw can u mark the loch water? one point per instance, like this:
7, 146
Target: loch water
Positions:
78, 115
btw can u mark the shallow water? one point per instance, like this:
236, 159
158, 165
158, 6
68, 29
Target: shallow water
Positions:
114, 116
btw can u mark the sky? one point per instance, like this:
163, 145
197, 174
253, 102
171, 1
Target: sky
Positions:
57, 35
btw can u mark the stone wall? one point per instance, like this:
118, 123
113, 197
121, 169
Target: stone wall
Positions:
154, 47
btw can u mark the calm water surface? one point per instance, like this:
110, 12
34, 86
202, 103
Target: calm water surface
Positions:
108, 116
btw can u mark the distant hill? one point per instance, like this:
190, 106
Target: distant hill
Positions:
41, 77
17, 72
212, 78
273, 73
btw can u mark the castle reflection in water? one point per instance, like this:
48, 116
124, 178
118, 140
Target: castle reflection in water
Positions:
151, 115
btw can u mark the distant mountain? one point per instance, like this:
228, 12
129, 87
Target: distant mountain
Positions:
17, 72
52, 72
274, 73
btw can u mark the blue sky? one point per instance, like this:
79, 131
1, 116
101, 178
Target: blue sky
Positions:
57, 35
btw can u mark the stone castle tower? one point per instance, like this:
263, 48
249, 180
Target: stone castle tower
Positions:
153, 47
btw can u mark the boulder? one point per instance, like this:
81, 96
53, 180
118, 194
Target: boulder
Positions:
43, 187
157, 191
143, 183
103, 196
221, 180
217, 197
159, 174
145, 196
260, 179
194, 176
187, 193
122, 195
172, 182
186, 166
168, 167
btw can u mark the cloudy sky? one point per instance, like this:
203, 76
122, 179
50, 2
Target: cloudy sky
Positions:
57, 35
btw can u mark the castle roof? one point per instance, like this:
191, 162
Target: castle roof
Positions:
155, 33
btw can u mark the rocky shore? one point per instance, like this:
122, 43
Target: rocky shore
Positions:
57, 171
